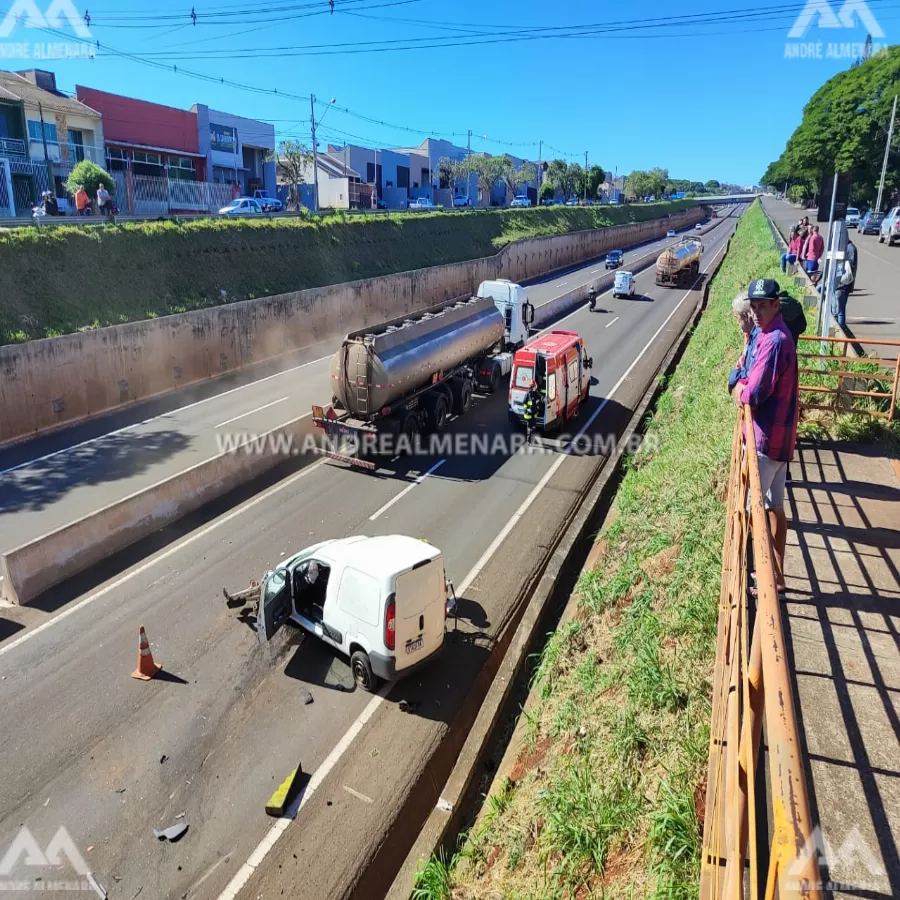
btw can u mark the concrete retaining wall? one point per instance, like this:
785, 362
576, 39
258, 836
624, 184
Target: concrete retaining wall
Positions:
29, 570
58, 381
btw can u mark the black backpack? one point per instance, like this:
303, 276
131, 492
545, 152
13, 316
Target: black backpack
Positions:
792, 313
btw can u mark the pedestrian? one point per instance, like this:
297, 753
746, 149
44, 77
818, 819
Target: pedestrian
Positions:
815, 247
82, 201
844, 279
792, 254
853, 258
530, 410
772, 393
104, 201
744, 315
50, 204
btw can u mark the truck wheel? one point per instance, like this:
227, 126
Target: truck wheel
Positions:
410, 429
494, 382
362, 671
462, 396
437, 412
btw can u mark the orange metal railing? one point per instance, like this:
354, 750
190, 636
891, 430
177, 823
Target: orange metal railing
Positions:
828, 372
752, 687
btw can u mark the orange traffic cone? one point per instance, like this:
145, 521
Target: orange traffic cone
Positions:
146, 668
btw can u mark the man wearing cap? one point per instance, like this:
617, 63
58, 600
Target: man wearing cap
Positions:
772, 393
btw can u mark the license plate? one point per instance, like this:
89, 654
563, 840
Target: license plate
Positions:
412, 646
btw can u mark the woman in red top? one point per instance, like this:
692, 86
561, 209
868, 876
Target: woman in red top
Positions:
793, 250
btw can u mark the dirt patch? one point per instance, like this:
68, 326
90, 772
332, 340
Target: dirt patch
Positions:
662, 564
528, 761
700, 802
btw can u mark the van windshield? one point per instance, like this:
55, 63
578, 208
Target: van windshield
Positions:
524, 376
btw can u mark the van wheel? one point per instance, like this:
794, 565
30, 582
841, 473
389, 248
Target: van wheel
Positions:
363, 675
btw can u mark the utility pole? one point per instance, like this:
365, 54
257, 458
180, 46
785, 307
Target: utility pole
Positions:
887, 151
469, 174
312, 119
540, 174
585, 177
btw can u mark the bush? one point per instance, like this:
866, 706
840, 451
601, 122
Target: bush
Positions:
91, 176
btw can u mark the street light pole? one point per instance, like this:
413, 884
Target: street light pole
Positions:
887, 151
312, 119
585, 177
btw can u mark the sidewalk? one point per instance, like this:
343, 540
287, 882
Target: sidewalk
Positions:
872, 310
842, 620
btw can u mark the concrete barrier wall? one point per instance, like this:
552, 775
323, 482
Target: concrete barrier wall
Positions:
29, 570
58, 381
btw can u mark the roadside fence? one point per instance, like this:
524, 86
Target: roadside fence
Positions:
752, 686
835, 379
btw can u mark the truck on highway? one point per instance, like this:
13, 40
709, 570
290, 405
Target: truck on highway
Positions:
680, 263
406, 376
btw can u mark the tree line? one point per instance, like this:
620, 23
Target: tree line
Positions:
844, 129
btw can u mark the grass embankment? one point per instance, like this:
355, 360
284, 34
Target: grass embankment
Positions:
609, 787
63, 279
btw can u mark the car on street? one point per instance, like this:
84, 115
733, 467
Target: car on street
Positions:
670, 232
852, 217
549, 201
614, 259
870, 223
381, 601
698, 226
572, 202
521, 201
242, 206
380, 204
461, 201
890, 227
269, 204
623, 286
421, 203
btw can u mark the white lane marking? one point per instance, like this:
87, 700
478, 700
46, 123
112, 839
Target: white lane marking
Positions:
357, 794
406, 490
250, 412
611, 322
172, 412
562, 283
594, 271
240, 510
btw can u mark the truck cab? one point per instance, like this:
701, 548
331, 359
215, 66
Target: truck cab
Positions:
512, 301
381, 601
559, 364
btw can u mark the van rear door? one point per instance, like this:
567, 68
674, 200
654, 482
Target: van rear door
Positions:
420, 599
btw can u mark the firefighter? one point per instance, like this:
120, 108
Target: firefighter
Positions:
592, 297
531, 410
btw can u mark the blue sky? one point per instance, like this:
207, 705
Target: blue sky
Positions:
650, 84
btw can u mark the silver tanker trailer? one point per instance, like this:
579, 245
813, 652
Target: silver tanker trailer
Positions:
679, 263
408, 375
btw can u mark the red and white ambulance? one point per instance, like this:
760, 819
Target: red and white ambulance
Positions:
558, 362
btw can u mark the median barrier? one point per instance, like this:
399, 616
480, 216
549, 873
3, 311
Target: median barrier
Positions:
32, 568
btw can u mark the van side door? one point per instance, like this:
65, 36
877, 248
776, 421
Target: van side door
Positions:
356, 609
274, 604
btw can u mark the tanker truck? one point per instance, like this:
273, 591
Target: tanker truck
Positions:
406, 376
680, 263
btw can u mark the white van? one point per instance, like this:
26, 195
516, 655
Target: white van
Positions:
852, 217
381, 601
623, 286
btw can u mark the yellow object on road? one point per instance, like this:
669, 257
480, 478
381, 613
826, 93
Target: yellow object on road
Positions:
279, 801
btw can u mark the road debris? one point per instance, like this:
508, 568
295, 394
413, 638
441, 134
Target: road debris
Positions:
163, 758
180, 815
285, 792
408, 706
306, 696
172, 833
121, 790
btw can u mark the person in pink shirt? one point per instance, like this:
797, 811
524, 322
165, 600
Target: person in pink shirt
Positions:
815, 247
793, 251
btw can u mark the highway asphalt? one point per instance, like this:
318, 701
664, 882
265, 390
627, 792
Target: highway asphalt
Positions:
57, 478
111, 758
872, 309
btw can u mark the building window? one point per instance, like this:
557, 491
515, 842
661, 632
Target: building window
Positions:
181, 168
403, 177
34, 133
426, 177
146, 163
116, 159
76, 145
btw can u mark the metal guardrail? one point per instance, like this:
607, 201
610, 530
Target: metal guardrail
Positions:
752, 687
844, 395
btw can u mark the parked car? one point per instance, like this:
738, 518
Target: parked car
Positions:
269, 204
549, 201
870, 223
521, 201
381, 601
670, 232
852, 217
461, 201
890, 227
421, 203
572, 202
380, 204
623, 286
241, 206
614, 259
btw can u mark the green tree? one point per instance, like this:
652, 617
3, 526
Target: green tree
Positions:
558, 175
575, 176
445, 173
660, 177
639, 184
91, 176
293, 161
547, 191
595, 177
712, 186
843, 129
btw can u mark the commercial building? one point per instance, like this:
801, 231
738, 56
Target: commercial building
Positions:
43, 134
237, 150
